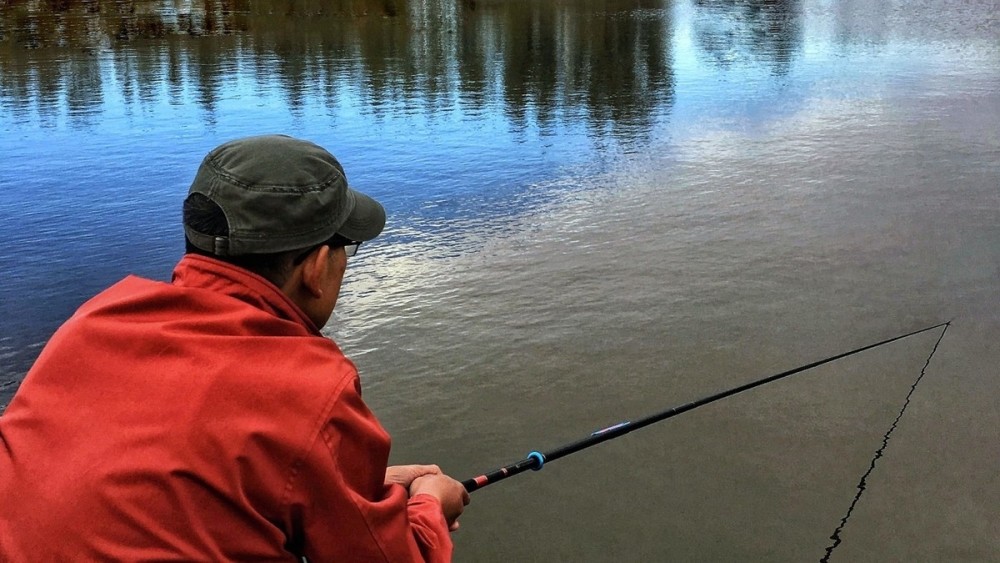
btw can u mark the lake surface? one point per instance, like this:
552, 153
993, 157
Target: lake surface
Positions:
597, 210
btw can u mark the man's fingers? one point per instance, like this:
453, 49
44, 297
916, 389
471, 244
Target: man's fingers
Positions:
405, 474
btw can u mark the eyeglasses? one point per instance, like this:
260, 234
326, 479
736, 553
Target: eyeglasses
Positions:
351, 249
336, 241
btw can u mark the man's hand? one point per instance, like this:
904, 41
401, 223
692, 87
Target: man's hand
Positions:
450, 492
405, 474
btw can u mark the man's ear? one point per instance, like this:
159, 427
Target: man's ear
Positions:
314, 271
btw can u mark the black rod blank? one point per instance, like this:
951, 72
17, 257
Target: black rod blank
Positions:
535, 460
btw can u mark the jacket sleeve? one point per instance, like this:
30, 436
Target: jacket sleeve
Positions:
341, 510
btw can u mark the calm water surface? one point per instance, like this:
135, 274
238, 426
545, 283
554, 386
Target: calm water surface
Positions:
597, 210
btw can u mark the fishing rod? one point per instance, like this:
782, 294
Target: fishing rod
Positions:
535, 460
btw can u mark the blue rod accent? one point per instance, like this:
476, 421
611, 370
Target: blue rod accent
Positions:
540, 457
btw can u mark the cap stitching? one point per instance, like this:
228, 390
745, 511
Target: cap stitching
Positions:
257, 235
304, 188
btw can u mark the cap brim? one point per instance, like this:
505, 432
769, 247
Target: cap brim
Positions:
367, 218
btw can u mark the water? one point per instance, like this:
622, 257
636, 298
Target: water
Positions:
597, 210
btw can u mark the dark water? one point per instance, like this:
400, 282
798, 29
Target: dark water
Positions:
597, 210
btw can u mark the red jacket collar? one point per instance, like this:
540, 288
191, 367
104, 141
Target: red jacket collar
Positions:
203, 272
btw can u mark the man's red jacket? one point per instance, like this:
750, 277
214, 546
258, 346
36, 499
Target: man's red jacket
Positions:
207, 419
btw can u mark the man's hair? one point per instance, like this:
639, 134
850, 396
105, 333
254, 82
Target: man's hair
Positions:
205, 216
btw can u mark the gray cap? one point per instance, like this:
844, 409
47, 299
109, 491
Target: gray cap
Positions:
279, 193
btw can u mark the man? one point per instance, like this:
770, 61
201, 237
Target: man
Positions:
208, 418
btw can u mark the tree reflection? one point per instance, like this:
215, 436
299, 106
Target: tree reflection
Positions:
604, 62
738, 32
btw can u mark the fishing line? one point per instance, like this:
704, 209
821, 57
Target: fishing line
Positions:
535, 460
862, 485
